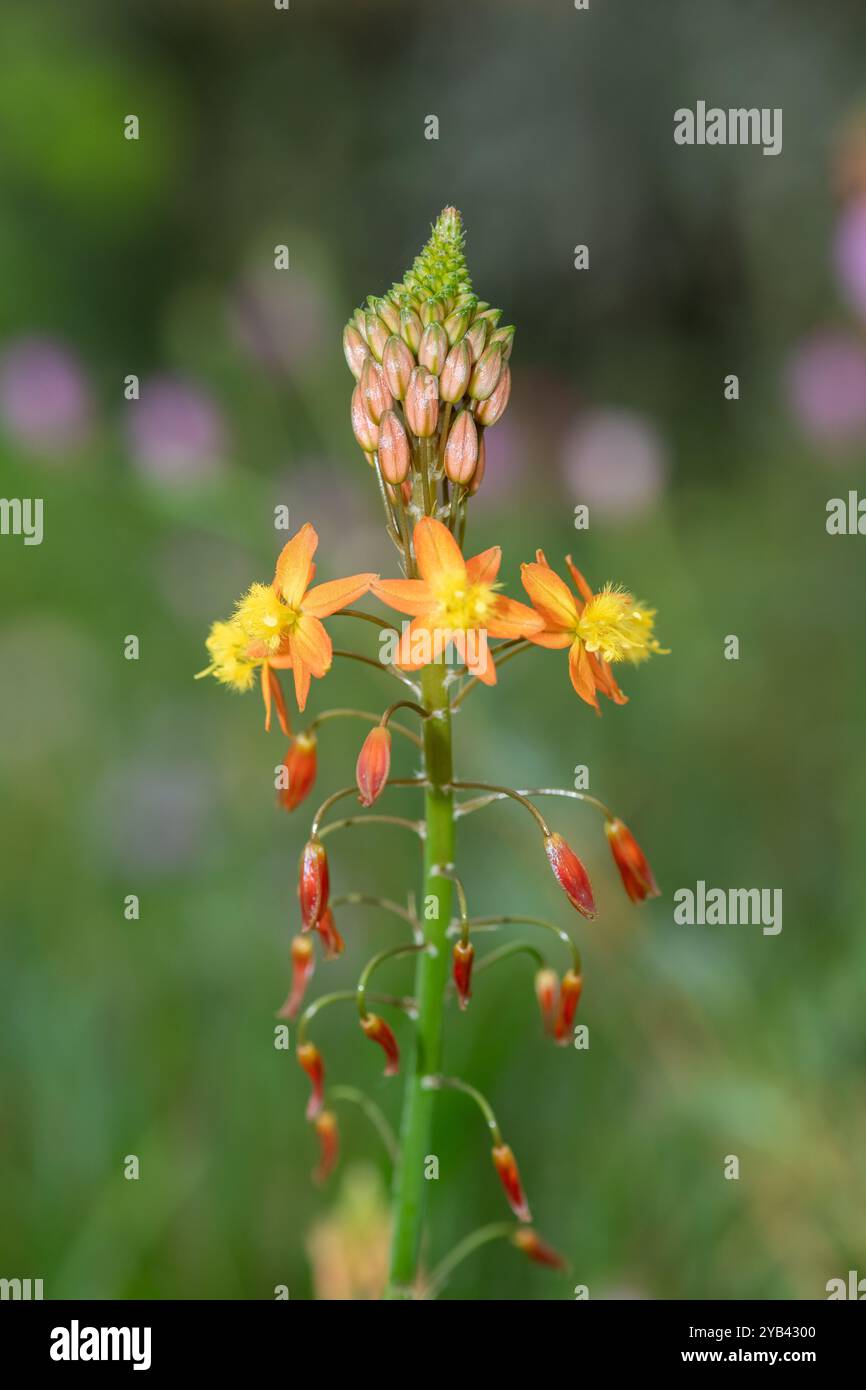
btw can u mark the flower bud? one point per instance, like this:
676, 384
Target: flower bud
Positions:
363, 428
454, 377
461, 451
432, 311
491, 315
537, 1249
373, 766
377, 1030
298, 770
397, 364
411, 329
570, 874
376, 333
433, 348
374, 388
569, 998
476, 337
422, 403
509, 1176
355, 350
486, 373
478, 475
310, 1059
505, 338
303, 964
546, 992
313, 883
636, 874
464, 954
328, 1136
394, 452
332, 941
389, 314
493, 409
456, 324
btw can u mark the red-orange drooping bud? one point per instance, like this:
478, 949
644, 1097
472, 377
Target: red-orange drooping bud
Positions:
509, 1176
394, 452
373, 765
377, 1030
303, 964
310, 1058
313, 883
464, 954
636, 874
570, 874
538, 1250
569, 998
298, 771
329, 1141
547, 992
331, 938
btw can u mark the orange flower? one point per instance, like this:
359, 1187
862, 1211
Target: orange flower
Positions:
461, 970
536, 1249
569, 998
300, 771
636, 874
325, 1126
303, 964
454, 601
378, 1031
310, 1060
506, 1166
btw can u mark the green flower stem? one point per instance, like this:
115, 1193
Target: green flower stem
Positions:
371, 1110
464, 1248
509, 921
514, 948
366, 973
368, 718
430, 979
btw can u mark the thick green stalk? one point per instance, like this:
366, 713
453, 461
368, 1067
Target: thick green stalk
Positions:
430, 979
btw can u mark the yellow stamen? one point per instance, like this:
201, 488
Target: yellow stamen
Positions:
617, 628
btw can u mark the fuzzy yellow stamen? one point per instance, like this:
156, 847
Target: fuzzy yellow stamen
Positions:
227, 645
264, 617
617, 627
464, 606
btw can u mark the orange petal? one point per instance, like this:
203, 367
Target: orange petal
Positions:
266, 696
550, 595
582, 586
512, 619
483, 568
436, 551
580, 670
279, 701
425, 622
554, 641
605, 681
484, 668
295, 565
325, 599
301, 674
310, 645
410, 596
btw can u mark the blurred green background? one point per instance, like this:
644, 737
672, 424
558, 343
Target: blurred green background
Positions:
155, 257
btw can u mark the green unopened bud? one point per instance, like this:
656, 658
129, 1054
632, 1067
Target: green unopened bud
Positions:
366, 433
422, 403
476, 337
486, 373
433, 348
493, 409
492, 315
454, 377
374, 389
376, 333
355, 350
432, 311
461, 451
394, 452
456, 324
411, 328
505, 338
397, 364
478, 475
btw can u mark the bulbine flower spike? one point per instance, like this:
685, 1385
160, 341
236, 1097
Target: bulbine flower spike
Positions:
570, 874
509, 1175
569, 998
331, 938
536, 1249
303, 964
310, 1060
636, 874
461, 970
378, 1031
313, 883
374, 764
298, 771
547, 993
329, 1145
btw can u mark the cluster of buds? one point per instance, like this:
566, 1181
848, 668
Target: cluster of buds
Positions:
431, 366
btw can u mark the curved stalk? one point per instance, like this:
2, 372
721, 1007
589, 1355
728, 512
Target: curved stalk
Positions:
373, 1113
498, 1230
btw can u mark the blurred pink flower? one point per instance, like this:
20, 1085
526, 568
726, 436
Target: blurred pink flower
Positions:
850, 254
825, 380
281, 319
176, 432
44, 397
506, 453
615, 462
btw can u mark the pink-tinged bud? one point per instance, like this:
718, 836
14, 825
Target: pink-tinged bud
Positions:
332, 941
303, 964
509, 1176
313, 883
433, 348
390, 314
374, 389
378, 1031
359, 321
464, 954
376, 333
363, 428
329, 1146
505, 338
298, 771
491, 315
355, 350
397, 364
547, 992
486, 373
422, 403
476, 337
310, 1059
569, 998
493, 409
478, 475
456, 324
432, 311
538, 1250
570, 874
461, 451
411, 329
455, 374
636, 874
373, 765
394, 453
